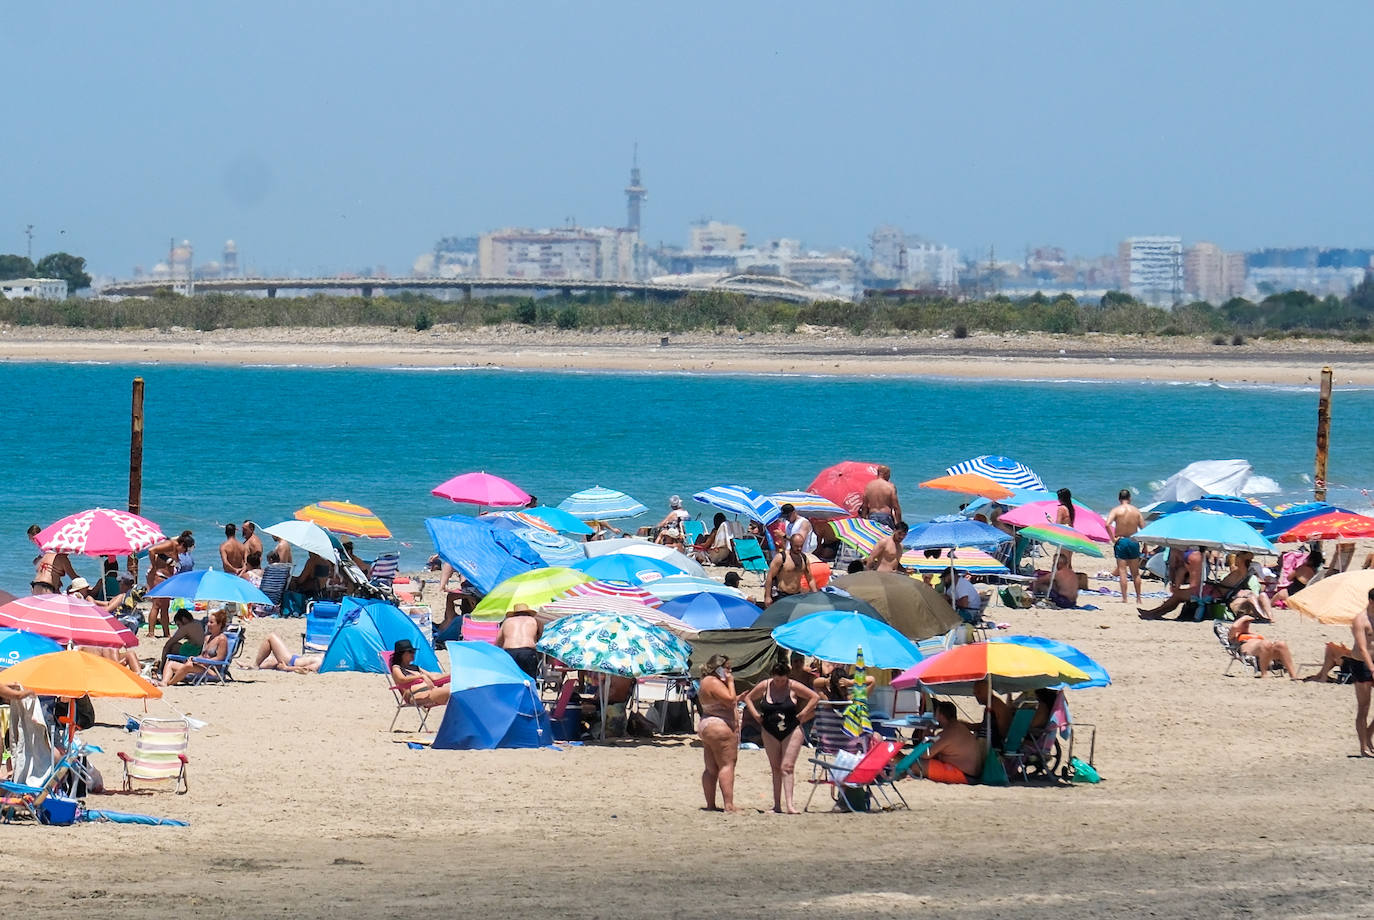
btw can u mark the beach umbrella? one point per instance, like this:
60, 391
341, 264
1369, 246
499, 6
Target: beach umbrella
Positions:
1002, 470
810, 505
1250, 510
591, 603
1214, 477
844, 483
856, 720
551, 546
969, 558
671, 586
1293, 514
485, 555
210, 585
860, 533
99, 532
1068, 538
533, 588
482, 489
637, 546
842, 636
1206, 529
909, 605
601, 504
308, 535
16, 645
705, 610
72, 674
345, 518
1333, 525
622, 590
559, 519
1007, 667
795, 606
1085, 520
1335, 599
67, 618
1016, 499
626, 646
517, 520
625, 567
738, 499
969, 484
1097, 675
950, 531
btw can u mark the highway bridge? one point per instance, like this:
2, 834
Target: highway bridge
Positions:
764, 287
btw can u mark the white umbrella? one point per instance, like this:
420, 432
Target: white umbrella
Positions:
308, 536
1214, 477
634, 546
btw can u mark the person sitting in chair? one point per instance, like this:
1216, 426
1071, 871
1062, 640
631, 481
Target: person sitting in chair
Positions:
314, 577
670, 528
955, 754
417, 686
215, 649
1061, 585
1264, 651
187, 640
1185, 580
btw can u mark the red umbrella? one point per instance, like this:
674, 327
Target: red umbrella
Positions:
482, 489
67, 618
100, 532
844, 483
1334, 525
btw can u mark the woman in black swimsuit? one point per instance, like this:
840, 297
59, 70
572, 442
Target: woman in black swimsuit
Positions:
781, 705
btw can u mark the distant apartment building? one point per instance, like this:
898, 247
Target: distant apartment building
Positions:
838, 273
1317, 270
39, 288
930, 265
714, 236
888, 260
1212, 274
1152, 268
565, 254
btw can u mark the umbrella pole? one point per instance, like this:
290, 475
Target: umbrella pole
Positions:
605, 696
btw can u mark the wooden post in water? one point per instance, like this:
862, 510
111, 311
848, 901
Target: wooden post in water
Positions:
136, 459
1323, 435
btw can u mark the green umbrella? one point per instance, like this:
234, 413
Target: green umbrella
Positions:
856, 718
534, 588
1062, 537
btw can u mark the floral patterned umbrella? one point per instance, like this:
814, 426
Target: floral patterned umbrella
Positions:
620, 644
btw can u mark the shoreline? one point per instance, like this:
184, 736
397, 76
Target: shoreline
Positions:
1033, 356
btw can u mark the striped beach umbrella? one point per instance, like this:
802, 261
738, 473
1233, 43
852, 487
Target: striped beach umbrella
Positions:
860, 533
1065, 538
67, 618
553, 548
627, 646
810, 505
672, 586
856, 718
1002, 470
1008, 667
968, 558
345, 518
601, 504
739, 499
99, 532
620, 590
521, 518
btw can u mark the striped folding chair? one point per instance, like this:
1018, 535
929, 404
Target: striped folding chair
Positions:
159, 757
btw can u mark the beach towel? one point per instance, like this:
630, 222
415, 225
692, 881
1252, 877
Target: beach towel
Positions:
32, 753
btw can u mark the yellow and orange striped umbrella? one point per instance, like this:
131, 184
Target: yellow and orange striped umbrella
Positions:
345, 518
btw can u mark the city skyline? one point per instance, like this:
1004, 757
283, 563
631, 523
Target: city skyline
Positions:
328, 142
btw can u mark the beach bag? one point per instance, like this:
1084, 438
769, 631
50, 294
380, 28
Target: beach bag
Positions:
1082, 772
1015, 596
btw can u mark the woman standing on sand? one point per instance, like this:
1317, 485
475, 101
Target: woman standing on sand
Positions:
781, 705
718, 731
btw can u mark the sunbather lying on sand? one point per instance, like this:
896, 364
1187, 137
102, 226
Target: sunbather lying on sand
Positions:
273, 655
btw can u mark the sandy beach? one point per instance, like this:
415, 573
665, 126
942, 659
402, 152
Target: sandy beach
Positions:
1223, 795
809, 351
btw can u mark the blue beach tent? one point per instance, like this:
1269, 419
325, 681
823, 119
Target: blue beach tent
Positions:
364, 629
493, 704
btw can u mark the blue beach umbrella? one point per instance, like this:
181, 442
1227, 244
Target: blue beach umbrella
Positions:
555, 549
840, 635
1002, 470
1230, 505
492, 703
743, 500
559, 519
1207, 529
601, 504
16, 645
951, 532
485, 555
210, 585
705, 610
671, 586
1097, 674
626, 567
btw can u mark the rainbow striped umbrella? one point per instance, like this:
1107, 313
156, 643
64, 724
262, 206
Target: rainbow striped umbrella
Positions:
345, 518
969, 558
863, 535
1063, 537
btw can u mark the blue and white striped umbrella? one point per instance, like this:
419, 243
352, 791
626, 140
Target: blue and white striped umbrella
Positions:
1002, 470
810, 505
741, 500
600, 504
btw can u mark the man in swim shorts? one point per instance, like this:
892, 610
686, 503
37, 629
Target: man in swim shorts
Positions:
788, 573
518, 634
954, 755
880, 502
1362, 675
1122, 523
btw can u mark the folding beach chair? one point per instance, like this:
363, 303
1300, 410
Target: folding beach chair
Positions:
46, 801
398, 692
693, 532
854, 787
216, 669
384, 569
750, 555
320, 619
159, 756
274, 580
1222, 628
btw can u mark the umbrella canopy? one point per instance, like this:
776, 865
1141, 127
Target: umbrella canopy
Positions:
1335, 598
1333, 525
308, 535
1291, 515
705, 610
636, 546
671, 586
76, 673
1016, 499
17, 645
534, 589
1214, 477
485, 555
551, 546
559, 519
209, 585
969, 484
482, 489
67, 618
1063, 537
795, 606
949, 532
1012, 668
517, 520
968, 558
626, 646
843, 636
99, 532
743, 500
600, 504
613, 589
591, 603
1097, 675
844, 483
345, 518
909, 605
810, 505
860, 533
1250, 510
1206, 529
1002, 470
625, 567
1085, 520
856, 718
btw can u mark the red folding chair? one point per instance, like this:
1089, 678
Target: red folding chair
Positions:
853, 787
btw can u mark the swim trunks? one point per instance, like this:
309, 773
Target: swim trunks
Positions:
1061, 601
1126, 549
883, 517
526, 659
1358, 671
942, 772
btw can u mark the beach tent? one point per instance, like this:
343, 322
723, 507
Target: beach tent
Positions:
366, 628
493, 704
751, 653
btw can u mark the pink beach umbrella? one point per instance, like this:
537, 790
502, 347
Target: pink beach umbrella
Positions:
67, 618
1085, 520
483, 490
99, 532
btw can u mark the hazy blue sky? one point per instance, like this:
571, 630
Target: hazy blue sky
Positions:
334, 136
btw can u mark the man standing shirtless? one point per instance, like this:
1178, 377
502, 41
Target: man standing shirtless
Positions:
887, 555
880, 499
1122, 523
1362, 674
787, 571
518, 635
252, 543
231, 554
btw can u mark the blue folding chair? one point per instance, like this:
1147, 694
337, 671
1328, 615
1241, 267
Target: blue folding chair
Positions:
45, 803
320, 619
750, 555
216, 669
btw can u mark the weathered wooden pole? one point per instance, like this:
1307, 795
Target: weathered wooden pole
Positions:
1323, 435
136, 459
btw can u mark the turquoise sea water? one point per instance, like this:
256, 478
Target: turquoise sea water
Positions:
223, 444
